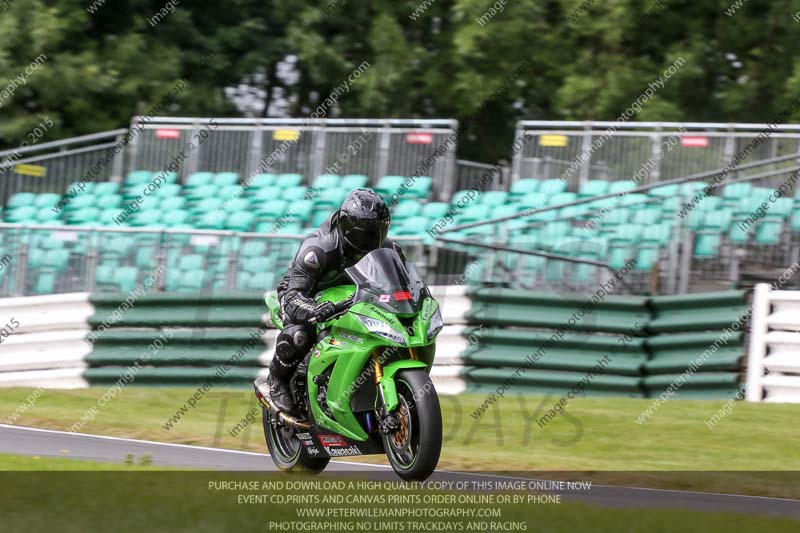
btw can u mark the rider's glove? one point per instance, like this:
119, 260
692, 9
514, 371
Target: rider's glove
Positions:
324, 311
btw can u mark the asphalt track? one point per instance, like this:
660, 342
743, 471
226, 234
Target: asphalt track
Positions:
49, 443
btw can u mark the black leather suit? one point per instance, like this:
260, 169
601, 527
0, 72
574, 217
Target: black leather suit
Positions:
319, 263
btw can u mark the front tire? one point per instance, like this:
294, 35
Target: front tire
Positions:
414, 449
286, 450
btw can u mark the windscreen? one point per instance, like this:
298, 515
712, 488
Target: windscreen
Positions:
385, 280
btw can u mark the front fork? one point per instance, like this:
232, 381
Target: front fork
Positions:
387, 390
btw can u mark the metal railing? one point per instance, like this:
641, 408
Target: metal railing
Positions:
57, 259
52, 166
373, 147
577, 262
578, 151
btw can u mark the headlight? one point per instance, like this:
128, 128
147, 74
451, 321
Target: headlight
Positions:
436, 323
381, 328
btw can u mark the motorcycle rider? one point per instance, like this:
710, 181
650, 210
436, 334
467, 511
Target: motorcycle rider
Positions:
358, 227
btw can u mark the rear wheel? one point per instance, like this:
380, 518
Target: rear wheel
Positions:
286, 450
413, 450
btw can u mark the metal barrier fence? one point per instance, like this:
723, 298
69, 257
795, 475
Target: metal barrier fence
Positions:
52, 166
580, 151
695, 247
60, 259
374, 147
471, 174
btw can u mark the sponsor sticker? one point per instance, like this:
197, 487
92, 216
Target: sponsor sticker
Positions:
332, 440
344, 452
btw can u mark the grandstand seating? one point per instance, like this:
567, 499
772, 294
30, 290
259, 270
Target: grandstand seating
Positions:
632, 225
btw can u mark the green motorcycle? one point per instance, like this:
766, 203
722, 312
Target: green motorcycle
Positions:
364, 388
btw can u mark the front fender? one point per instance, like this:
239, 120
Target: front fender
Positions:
387, 381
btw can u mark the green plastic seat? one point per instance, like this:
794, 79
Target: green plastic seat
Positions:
191, 261
593, 188
707, 245
198, 179
621, 186
524, 186
222, 179
323, 181
627, 234
230, 191
434, 210
300, 210
553, 186
254, 248
21, 199
174, 203
202, 191
272, 209
618, 256
718, 221
125, 277
647, 216
207, 205
638, 200
138, 177
709, 203
80, 201
106, 187
240, 221
420, 186
174, 217
388, 185
494, 198
739, 235
768, 232
563, 198
780, 209
689, 188
168, 190
656, 234
736, 191
75, 186
46, 200
667, 191
646, 258
45, 283
259, 181
46, 215
293, 194
288, 180
620, 215
85, 216
265, 194
108, 201
331, 197
406, 209
56, 259
354, 181
475, 212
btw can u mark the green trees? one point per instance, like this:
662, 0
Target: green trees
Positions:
586, 60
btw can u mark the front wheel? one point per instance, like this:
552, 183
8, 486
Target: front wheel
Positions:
286, 450
413, 450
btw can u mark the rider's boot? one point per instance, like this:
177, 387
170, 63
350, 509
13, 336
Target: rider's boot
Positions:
280, 395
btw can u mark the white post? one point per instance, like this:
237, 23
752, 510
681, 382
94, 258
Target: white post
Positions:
758, 342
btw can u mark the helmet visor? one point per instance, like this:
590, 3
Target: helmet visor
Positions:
365, 238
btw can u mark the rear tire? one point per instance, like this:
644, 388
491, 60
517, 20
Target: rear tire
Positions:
414, 450
286, 450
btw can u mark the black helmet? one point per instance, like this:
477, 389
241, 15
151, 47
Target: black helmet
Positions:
363, 222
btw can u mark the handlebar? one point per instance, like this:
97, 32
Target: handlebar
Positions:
338, 308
